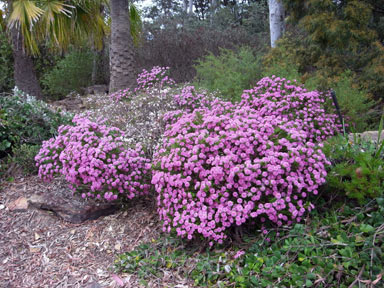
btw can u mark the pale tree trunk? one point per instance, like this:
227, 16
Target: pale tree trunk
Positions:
185, 6
276, 20
24, 70
190, 6
122, 54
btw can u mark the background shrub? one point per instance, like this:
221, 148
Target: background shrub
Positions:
357, 168
230, 72
23, 157
25, 120
178, 42
71, 73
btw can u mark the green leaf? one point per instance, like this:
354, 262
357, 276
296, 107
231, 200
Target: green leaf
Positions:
366, 228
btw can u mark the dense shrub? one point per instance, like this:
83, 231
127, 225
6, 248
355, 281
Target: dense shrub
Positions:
357, 168
25, 120
71, 73
230, 73
95, 160
23, 157
281, 97
222, 166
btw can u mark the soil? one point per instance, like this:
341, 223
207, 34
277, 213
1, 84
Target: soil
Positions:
39, 249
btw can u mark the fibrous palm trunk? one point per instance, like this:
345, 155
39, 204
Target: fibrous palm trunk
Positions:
122, 54
24, 71
276, 20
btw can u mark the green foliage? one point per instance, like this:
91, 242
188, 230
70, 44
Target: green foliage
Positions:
356, 106
6, 64
357, 167
283, 69
330, 37
333, 250
23, 157
70, 74
229, 73
25, 120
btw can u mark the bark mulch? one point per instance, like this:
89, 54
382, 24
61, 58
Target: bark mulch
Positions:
38, 249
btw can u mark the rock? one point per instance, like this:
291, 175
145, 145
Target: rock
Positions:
94, 285
70, 103
96, 89
71, 208
21, 204
2, 207
368, 135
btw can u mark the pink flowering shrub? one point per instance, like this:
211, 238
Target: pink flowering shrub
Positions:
95, 160
223, 166
281, 97
157, 78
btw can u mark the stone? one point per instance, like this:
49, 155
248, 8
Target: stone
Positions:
96, 89
21, 204
94, 285
71, 208
368, 135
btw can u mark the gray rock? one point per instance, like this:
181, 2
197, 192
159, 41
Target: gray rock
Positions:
96, 89
71, 208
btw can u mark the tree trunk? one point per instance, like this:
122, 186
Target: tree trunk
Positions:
24, 71
185, 6
122, 56
190, 6
276, 20
100, 69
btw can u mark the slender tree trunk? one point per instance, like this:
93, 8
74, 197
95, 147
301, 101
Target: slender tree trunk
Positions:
24, 71
122, 56
185, 6
190, 7
276, 20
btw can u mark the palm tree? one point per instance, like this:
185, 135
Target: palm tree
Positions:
125, 28
53, 22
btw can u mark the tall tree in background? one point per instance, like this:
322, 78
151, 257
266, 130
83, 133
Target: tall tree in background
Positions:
55, 23
276, 20
125, 24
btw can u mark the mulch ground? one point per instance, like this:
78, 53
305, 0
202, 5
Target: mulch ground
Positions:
38, 249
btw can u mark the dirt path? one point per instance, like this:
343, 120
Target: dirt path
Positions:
37, 249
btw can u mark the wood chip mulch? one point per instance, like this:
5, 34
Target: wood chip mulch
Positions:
37, 249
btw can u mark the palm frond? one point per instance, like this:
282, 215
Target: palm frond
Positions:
136, 23
25, 14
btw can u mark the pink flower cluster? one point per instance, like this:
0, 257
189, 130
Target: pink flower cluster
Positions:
156, 78
95, 160
222, 165
281, 97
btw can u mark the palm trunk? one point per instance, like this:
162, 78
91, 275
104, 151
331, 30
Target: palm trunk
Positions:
122, 56
24, 70
276, 20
